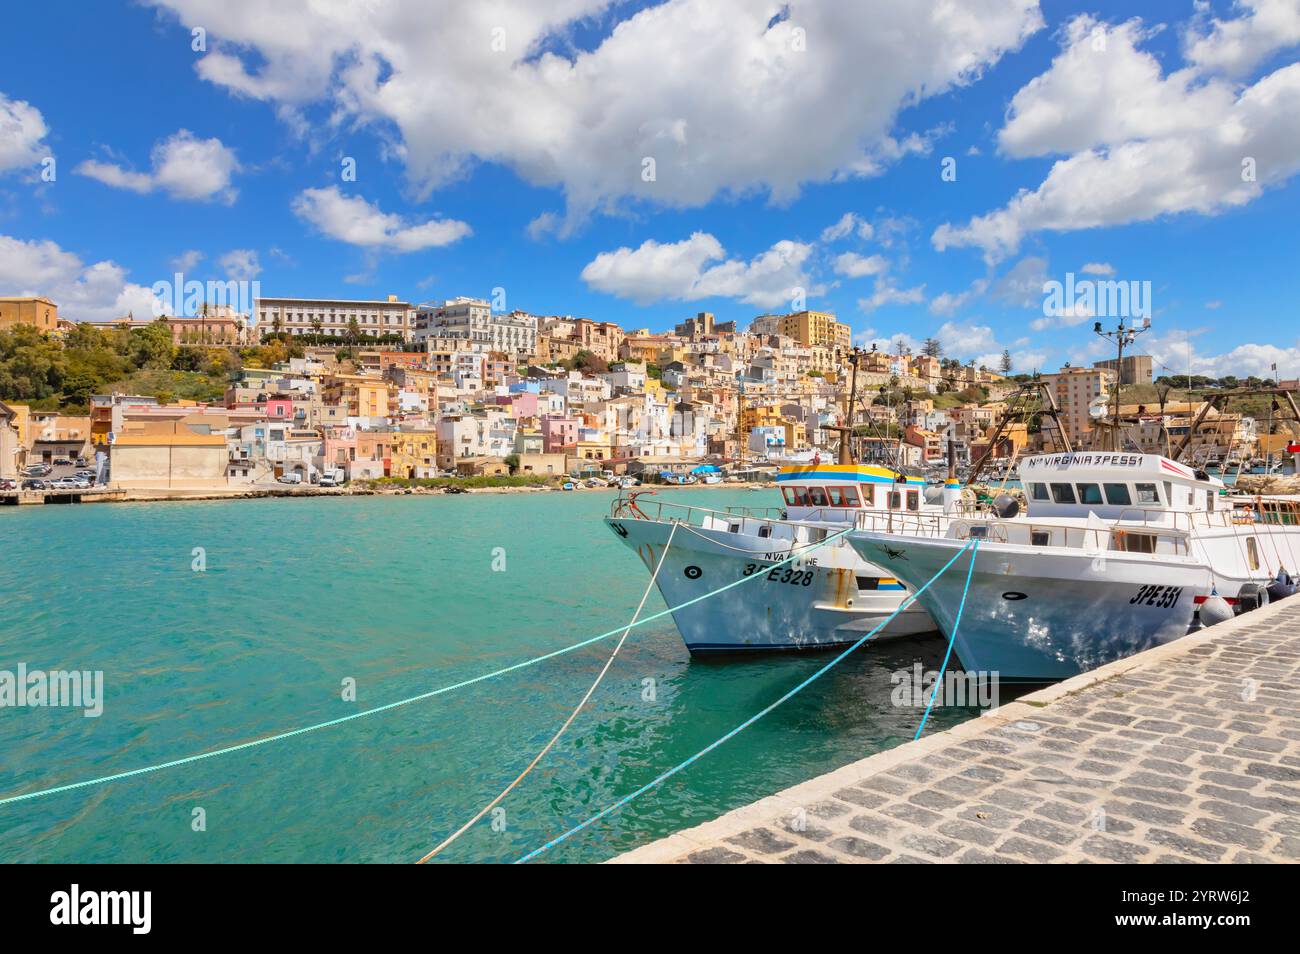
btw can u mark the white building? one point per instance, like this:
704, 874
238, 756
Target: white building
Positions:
472, 319
327, 316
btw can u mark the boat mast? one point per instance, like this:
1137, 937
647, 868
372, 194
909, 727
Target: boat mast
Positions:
1122, 336
1021, 399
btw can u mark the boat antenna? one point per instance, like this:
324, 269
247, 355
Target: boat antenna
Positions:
1122, 336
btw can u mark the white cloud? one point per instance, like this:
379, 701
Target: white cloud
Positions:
849, 223
886, 293
187, 260
83, 292
1098, 268
853, 265
1140, 144
1174, 353
184, 167
1022, 284
1238, 46
22, 134
948, 303
585, 120
353, 220
681, 271
240, 264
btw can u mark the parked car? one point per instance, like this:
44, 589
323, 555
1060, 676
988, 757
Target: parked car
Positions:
290, 478
332, 480
7, 484
34, 484
37, 470
82, 462
64, 483
62, 462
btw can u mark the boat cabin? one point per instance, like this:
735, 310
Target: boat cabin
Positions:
836, 493
1116, 486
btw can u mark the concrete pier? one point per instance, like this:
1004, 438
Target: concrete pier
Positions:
1189, 752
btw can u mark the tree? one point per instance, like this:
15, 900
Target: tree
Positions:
932, 347
151, 346
32, 366
1005, 364
512, 462
354, 330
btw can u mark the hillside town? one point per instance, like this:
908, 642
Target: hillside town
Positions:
325, 392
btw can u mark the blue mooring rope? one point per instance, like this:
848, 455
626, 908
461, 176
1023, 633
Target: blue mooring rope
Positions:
279, 736
971, 545
956, 623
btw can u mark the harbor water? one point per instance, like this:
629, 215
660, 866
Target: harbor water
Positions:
218, 622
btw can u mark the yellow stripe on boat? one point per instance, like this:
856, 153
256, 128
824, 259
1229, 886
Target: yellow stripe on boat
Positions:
856, 473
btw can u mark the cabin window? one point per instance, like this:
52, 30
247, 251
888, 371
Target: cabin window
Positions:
842, 496
1039, 492
895, 500
816, 497
913, 500
1134, 542
868, 495
733, 528
1117, 495
1040, 538
796, 496
979, 533
1090, 494
1063, 493
1252, 553
1147, 494
765, 531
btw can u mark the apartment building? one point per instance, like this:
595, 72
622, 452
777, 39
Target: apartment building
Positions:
472, 320
334, 316
1075, 390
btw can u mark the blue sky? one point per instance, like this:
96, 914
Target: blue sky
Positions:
505, 149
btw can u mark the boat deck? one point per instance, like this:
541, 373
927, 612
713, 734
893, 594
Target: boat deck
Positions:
1189, 752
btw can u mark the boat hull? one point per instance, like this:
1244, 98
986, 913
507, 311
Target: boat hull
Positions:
1033, 616
802, 605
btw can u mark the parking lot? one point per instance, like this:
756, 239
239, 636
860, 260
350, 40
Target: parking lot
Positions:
59, 474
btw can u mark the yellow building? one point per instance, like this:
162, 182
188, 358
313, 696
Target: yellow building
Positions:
414, 453
41, 313
752, 417
363, 396
813, 328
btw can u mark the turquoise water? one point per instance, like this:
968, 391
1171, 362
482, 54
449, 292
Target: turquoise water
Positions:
398, 593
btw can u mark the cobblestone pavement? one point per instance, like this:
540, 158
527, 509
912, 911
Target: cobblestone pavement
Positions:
1189, 752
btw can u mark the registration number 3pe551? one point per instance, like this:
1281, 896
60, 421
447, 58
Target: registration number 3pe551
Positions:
1162, 597
782, 574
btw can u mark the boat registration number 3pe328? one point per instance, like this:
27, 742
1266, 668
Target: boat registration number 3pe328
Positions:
826, 596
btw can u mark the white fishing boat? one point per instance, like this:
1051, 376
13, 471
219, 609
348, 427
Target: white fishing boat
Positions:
830, 597
1116, 554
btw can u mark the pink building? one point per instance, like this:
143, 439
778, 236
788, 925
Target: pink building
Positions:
558, 432
522, 404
